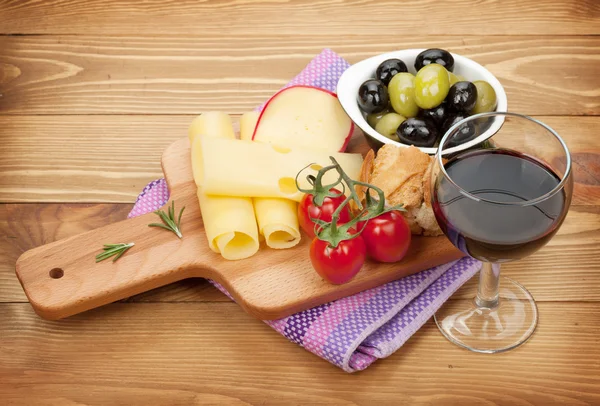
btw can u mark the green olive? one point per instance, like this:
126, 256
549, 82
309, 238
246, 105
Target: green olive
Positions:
401, 91
486, 97
453, 78
431, 86
389, 124
374, 118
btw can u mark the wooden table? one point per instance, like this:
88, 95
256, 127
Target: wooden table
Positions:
91, 93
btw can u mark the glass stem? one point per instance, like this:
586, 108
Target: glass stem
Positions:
489, 285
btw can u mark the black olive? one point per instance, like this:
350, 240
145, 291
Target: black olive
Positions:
437, 114
417, 132
388, 68
435, 55
465, 132
462, 96
373, 96
484, 124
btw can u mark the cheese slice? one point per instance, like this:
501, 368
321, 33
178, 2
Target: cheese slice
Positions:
277, 218
229, 222
246, 168
197, 161
277, 221
211, 124
230, 225
248, 124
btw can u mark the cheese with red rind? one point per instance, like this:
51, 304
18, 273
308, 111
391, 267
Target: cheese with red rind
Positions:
305, 117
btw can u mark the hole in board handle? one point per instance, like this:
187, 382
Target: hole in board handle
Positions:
56, 273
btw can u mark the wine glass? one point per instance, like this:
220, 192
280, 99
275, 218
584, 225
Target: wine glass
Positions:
499, 200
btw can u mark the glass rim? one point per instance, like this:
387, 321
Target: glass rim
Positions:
546, 196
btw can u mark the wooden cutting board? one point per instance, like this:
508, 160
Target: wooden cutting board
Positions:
62, 278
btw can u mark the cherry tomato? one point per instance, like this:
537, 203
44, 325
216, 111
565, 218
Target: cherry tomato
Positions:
387, 236
338, 265
307, 209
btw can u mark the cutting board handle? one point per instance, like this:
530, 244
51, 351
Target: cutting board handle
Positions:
62, 278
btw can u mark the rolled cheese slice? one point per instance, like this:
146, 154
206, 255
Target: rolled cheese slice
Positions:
277, 221
229, 222
211, 124
248, 124
230, 225
246, 168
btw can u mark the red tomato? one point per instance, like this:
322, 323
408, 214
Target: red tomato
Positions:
307, 210
338, 265
387, 236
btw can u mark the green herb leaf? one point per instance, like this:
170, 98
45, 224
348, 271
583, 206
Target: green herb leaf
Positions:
111, 250
168, 219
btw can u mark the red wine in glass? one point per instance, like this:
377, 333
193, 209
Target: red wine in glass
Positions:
499, 227
499, 197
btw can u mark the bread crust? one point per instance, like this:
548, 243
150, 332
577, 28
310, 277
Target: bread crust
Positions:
404, 176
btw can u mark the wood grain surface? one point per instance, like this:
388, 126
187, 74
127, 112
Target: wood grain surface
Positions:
217, 350
92, 91
542, 75
52, 159
335, 18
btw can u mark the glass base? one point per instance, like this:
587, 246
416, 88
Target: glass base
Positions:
490, 330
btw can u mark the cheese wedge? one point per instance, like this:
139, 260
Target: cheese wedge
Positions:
229, 222
246, 168
305, 117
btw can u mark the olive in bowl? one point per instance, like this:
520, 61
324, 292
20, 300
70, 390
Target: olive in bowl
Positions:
418, 132
464, 69
435, 55
462, 96
373, 96
466, 132
388, 69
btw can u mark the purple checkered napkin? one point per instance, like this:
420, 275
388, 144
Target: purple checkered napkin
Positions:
352, 332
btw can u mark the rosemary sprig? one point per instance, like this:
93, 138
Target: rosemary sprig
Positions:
168, 219
112, 250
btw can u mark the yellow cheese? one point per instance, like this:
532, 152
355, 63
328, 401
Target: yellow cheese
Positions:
277, 218
211, 124
248, 124
197, 161
277, 221
230, 225
229, 222
246, 168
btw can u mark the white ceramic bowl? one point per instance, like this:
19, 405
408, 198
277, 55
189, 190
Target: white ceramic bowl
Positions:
355, 75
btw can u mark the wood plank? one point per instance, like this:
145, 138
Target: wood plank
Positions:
565, 270
188, 354
83, 158
336, 18
111, 158
182, 75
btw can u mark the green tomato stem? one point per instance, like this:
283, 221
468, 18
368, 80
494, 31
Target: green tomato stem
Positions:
330, 231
